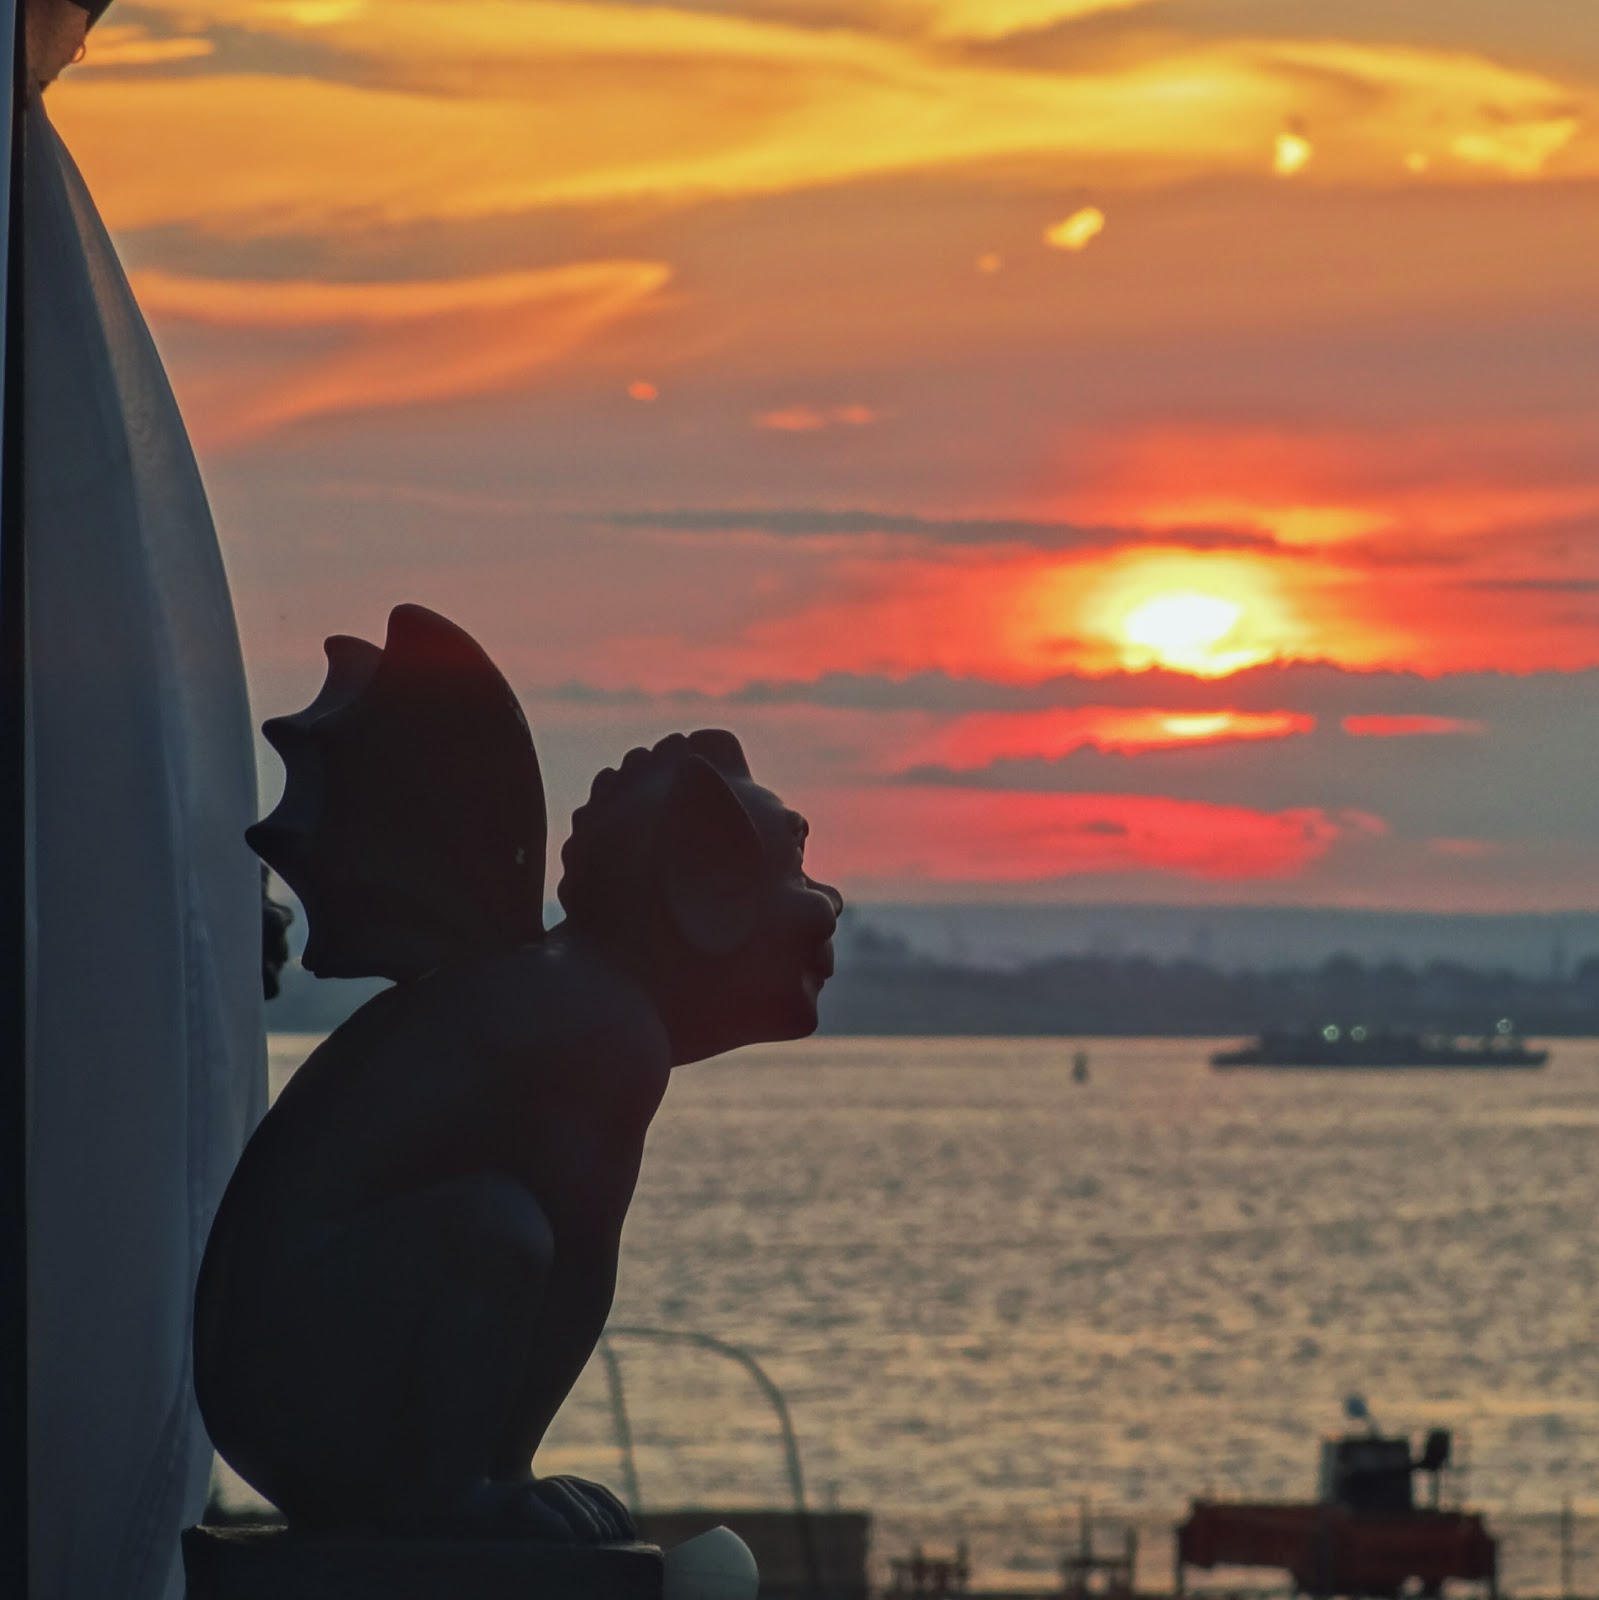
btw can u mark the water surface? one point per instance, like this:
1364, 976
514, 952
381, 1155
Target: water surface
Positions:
989, 1292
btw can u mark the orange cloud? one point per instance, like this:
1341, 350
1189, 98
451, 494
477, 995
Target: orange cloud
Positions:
1426, 110
998, 19
1410, 727
1078, 231
952, 836
1292, 154
386, 344
437, 109
971, 743
1321, 490
128, 45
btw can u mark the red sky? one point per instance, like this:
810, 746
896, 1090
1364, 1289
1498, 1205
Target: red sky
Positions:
1093, 449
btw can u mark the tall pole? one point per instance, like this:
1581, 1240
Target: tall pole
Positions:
14, 1520
1565, 1548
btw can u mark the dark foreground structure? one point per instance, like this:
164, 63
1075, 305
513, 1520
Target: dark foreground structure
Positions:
274, 1564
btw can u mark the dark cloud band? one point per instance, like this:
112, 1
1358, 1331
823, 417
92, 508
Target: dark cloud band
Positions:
798, 524
1317, 689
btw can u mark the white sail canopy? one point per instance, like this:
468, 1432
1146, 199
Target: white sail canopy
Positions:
146, 1065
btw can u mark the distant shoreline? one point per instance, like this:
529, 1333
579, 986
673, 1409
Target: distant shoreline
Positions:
975, 971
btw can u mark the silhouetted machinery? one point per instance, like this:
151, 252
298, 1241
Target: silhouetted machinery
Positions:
1365, 1535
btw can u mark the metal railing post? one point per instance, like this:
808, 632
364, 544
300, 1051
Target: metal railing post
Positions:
763, 1381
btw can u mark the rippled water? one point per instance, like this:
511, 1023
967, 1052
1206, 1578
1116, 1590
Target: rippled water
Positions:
989, 1292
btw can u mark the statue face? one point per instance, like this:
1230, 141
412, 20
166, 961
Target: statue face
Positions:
697, 880
790, 957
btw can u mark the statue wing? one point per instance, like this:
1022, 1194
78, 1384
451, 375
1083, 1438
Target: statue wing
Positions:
412, 824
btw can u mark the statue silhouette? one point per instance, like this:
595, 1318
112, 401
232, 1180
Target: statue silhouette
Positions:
418, 1251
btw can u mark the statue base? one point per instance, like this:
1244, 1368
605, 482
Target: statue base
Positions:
279, 1564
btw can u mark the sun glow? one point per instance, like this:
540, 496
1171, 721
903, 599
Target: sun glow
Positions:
1206, 614
1188, 631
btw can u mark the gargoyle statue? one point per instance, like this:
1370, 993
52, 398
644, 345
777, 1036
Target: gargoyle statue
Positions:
418, 1251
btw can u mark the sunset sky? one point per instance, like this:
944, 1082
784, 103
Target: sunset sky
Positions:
1089, 449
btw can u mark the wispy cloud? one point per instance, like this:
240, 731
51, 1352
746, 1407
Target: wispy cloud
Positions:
1411, 726
1444, 785
997, 19
433, 109
952, 836
120, 45
1076, 232
1515, 137
387, 344
974, 743
816, 419
1551, 585
1292, 154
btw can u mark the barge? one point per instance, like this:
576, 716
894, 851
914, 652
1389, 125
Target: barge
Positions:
1387, 1049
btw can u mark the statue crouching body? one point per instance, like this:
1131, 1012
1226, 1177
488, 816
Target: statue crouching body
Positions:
418, 1251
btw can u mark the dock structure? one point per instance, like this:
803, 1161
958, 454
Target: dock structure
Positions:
920, 1576
1086, 1574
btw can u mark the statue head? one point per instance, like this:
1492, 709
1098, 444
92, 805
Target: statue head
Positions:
412, 826
693, 876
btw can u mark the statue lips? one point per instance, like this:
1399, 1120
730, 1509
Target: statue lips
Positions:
820, 966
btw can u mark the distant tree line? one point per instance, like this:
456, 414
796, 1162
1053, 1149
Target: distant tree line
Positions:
883, 987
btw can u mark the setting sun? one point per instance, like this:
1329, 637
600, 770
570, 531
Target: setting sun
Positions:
1188, 632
